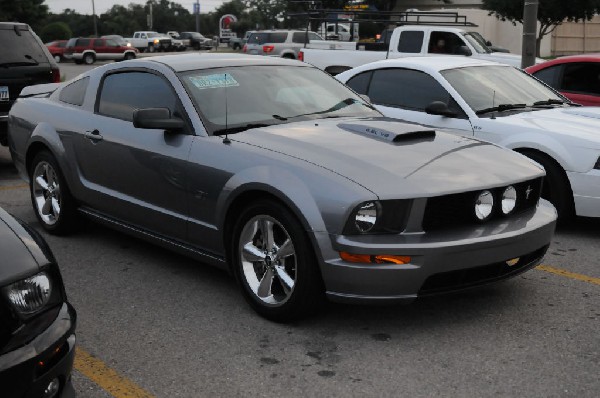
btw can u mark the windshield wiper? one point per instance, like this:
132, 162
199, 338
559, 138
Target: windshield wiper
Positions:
340, 105
550, 101
238, 129
501, 108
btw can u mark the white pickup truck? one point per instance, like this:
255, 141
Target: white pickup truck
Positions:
150, 41
405, 41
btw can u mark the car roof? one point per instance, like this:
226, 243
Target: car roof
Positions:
432, 63
590, 57
194, 61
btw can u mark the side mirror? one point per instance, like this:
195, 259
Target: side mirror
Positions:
488, 43
464, 50
439, 108
156, 118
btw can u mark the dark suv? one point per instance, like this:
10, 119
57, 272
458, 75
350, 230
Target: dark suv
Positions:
24, 61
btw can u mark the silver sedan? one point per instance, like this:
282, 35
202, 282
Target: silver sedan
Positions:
278, 173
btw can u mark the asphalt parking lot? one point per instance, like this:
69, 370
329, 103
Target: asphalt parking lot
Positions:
153, 323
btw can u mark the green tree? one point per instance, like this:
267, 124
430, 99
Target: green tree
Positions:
32, 12
551, 13
55, 31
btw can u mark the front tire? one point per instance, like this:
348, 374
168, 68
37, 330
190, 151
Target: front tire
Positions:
129, 56
89, 59
275, 263
556, 188
57, 58
52, 201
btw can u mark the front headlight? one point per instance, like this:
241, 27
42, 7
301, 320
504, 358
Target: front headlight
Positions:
366, 217
31, 294
484, 205
156, 41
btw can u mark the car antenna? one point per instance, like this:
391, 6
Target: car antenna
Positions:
226, 140
493, 105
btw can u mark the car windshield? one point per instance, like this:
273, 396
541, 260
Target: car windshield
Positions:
476, 40
238, 98
484, 87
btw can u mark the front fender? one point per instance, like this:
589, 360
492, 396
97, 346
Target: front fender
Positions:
280, 183
548, 145
44, 135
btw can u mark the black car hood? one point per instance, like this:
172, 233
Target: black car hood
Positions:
20, 256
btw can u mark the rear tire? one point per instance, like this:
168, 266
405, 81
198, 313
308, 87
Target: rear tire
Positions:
89, 59
129, 56
274, 263
557, 188
52, 202
57, 58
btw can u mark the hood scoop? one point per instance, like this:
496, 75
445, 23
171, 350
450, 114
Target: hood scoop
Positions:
400, 134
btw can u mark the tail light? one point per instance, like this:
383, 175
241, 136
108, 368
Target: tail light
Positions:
55, 75
245, 49
268, 49
301, 56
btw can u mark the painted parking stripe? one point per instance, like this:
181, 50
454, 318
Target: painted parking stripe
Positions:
568, 274
107, 378
8, 187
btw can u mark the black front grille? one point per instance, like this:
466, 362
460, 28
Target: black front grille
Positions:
456, 210
8, 324
465, 278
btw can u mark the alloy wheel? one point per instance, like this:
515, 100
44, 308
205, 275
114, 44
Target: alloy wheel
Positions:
46, 192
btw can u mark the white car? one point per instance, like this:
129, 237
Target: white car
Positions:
497, 103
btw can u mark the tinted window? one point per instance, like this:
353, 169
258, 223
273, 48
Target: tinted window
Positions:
122, 93
549, 75
445, 43
20, 48
410, 41
268, 37
277, 37
360, 83
98, 43
83, 42
407, 89
582, 77
74, 93
300, 37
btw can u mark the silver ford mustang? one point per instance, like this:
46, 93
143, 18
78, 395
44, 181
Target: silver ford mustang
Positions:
275, 171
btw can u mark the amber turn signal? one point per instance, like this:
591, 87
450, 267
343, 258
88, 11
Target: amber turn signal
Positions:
374, 258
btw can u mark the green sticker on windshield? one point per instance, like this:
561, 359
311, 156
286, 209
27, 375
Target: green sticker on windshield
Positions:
214, 81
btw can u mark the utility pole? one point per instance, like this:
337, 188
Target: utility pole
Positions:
528, 52
197, 12
94, 17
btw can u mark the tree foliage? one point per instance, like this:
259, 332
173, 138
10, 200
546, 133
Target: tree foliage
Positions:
551, 13
55, 31
32, 12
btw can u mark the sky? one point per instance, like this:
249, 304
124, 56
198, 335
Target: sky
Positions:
85, 6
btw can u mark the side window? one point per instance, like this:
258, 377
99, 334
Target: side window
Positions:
98, 43
314, 36
445, 43
408, 89
111, 43
83, 42
122, 93
299, 37
136, 35
278, 37
360, 83
410, 41
74, 93
549, 75
582, 78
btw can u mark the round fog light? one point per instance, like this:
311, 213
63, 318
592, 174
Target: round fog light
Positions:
484, 205
509, 200
52, 388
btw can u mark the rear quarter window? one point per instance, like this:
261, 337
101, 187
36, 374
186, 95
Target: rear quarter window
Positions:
74, 93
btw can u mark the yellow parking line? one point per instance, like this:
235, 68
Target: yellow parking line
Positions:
107, 378
7, 187
567, 274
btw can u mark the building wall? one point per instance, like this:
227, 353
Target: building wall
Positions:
576, 37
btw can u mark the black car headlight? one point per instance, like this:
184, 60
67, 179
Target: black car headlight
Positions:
378, 217
31, 294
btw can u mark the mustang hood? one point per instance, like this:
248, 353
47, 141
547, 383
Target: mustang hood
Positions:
579, 124
394, 159
18, 260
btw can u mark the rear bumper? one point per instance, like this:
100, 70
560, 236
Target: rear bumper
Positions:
21, 372
440, 262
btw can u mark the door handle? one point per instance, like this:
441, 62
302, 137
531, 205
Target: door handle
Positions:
94, 136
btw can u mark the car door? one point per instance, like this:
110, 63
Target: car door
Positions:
135, 175
113, 49
405, 93
99, 46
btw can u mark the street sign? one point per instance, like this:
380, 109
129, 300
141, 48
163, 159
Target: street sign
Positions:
196, 8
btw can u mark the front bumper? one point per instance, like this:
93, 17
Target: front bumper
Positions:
27, 371
586, 192
441, 261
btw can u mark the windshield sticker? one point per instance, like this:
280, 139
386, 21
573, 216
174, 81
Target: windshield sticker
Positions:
214, 81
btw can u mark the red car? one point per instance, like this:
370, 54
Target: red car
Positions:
88, 50
577, 77
57, 49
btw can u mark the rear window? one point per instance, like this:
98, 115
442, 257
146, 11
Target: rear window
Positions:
22, 47
268, 37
